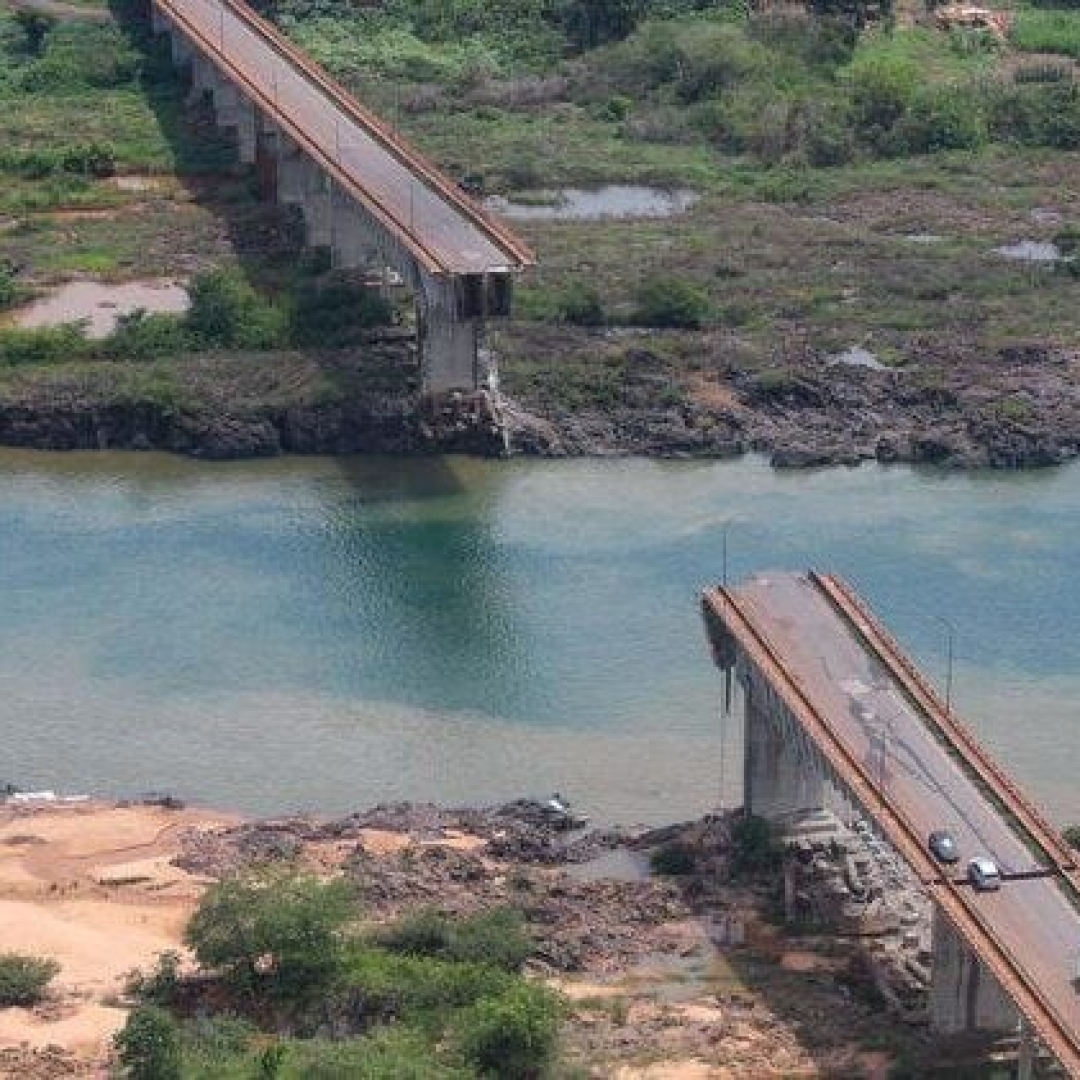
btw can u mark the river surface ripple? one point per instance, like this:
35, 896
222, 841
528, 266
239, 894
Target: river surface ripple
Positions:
323, 634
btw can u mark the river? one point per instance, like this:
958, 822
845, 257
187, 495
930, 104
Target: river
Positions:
323, 634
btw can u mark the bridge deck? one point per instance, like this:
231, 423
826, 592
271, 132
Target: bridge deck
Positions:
928, 784
447, 231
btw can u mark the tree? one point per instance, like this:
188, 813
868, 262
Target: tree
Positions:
511, 1037
274, 933
36, 28
148, 1045
589, 23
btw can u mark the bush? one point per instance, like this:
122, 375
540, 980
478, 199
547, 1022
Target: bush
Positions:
675, 858
881, 88
942, 118
511, 1037
144, 336
148, 1045
670, 302
51, 344
1047, 32
423, 932
581, 305
89, 159
497, 937
756, 848
9, 290
273, 933
335, 310
1071, 835
160, 985
226, 311
24, 979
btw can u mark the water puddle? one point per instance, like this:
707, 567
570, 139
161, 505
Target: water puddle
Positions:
139, 183
1040, 251
857, 356
594, 204
100, 304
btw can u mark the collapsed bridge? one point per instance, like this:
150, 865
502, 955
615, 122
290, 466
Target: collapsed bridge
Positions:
838, 718
365, 194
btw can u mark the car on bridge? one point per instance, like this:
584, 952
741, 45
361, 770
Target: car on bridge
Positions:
942, 846
984, 874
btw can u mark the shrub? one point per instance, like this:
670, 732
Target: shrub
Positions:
1071, 835
755, 847
24, 979
511, 1037
226, 311
670, 302
160, 984
148, 1045
49, 344
881, 88
497, 937
36, 28
581, 305
273, 933
9, 290
1047, 32
675, 858
333, 311
942, 118
140, 335
89, 159
423, 932
395, 1053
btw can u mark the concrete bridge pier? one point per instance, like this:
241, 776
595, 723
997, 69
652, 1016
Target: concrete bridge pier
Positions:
449, 340
964, 995
782, 773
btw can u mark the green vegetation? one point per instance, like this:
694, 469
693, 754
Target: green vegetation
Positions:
148, 1046
675, 859
24, 979
755, 847
284, 956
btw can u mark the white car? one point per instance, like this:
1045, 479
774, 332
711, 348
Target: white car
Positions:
984, 874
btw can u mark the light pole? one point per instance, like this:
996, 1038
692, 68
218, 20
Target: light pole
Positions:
950, 649
724, 529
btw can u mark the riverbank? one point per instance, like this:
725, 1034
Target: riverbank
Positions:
673, 394
664, 977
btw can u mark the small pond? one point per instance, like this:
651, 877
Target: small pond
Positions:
100, 304
1039, 251
594, 204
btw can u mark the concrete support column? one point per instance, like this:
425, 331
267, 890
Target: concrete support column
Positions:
247, 131
292, 169
450, 352
1025, 1069
782, 774
354, 246
317, 201
183, 52
203, 78
964, 996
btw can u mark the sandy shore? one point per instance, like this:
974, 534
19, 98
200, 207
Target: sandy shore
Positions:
90, 884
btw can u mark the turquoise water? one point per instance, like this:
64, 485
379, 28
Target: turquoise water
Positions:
323, 634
